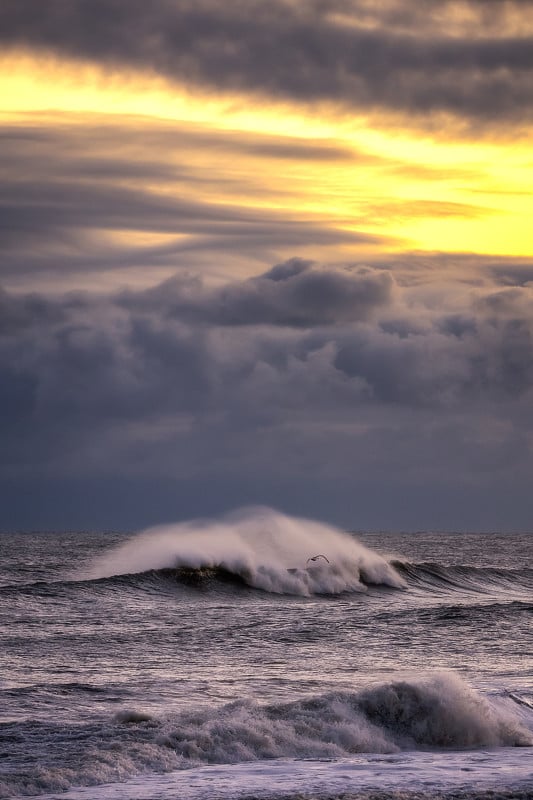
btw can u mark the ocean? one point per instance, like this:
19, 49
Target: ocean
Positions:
264, 656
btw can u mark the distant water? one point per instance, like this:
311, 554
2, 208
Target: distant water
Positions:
217, 659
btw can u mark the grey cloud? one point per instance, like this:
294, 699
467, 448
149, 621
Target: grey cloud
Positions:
19, 312
298, 51
518, 274
68, 143
414, 370
167, 387
457, 358
179, 347
464, 269
65, 190
290, 294
458, 325
55, 204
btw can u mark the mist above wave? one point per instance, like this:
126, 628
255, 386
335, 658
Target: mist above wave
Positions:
267, 549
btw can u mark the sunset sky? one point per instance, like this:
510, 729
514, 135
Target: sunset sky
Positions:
266, 252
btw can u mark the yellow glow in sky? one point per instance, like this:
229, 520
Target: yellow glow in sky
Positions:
422, 192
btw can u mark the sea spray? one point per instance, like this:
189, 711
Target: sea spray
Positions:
267, 549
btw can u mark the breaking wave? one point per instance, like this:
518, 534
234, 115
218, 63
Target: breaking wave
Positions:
259, 547
440, 711
262, 549
433, 713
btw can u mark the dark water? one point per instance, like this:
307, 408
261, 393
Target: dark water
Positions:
216, 660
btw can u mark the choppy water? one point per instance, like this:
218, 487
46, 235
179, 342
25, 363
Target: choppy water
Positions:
214, 659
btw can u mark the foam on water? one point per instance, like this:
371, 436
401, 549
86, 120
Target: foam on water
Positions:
439, 712
406, 776
269, 550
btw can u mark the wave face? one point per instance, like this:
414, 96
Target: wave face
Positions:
260, 547
464, 577
440, 712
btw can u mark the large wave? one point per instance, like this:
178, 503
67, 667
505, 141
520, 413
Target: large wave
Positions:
262, 547
439, 712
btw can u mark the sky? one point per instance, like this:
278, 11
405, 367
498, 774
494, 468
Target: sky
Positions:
273, 252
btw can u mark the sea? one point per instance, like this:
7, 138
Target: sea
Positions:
259, 655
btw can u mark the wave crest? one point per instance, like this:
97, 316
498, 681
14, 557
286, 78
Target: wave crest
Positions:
266, 549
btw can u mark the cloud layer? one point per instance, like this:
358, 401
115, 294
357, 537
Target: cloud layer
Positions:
470, 58
84, 197
299, 380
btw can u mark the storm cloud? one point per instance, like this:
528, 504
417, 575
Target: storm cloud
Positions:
359, 54
193, 383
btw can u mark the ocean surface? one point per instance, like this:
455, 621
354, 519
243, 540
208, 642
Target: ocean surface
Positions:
263, 656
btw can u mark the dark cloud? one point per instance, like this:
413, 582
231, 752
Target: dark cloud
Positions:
145, 369
290, 294
302, 379
518, 274
395, 56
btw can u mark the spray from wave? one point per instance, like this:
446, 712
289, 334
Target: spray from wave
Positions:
266, 549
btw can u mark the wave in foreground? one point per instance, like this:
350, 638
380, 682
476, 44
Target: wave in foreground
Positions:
265, 549
439, 712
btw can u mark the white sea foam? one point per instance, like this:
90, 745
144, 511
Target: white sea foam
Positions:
438, 712
269, 550
405, 776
